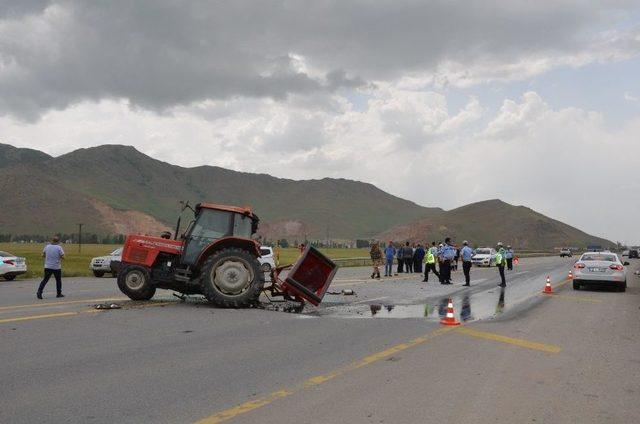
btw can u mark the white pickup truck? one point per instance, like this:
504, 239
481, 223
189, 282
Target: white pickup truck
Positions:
102, 264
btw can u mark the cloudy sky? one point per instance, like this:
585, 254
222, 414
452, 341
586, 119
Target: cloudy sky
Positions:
440, 102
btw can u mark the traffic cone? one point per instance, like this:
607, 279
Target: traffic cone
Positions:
570, 275
547, 288
450, 319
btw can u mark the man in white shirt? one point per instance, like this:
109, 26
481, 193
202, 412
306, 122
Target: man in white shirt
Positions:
53, 255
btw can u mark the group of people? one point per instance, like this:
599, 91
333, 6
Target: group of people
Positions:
445, 255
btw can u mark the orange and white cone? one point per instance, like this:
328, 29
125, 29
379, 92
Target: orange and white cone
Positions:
547, 287
450, 318
570, 275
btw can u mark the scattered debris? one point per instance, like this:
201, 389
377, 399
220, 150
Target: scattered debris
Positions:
348, 292
107, 306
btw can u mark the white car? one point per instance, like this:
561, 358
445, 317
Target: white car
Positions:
599, 268
102, 264
266, 259
484, 256
11, 266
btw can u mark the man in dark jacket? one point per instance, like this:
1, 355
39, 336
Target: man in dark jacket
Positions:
407, 255
400, 257
418, 257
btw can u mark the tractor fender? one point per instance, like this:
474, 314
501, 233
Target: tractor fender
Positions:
225, 242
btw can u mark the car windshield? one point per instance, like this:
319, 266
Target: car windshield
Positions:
117, 252
5, 255
598, 257
265, 251
483, 251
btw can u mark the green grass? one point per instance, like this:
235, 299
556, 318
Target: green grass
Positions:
77, 264
73, 265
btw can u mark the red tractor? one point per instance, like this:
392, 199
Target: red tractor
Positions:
217, 257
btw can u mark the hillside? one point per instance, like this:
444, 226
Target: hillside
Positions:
126, 180
490, 221
116, 189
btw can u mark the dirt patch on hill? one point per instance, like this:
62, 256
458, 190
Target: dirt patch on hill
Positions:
128, 221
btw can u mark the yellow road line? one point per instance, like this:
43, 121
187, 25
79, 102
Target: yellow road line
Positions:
69, 302
69, 314
509, 340
574, 298
252, 405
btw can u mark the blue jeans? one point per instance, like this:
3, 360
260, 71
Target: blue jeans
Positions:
388, 266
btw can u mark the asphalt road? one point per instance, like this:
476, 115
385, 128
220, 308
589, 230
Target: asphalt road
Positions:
519, 356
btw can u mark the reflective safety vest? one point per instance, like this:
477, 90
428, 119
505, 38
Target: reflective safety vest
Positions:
498, 258
430, 258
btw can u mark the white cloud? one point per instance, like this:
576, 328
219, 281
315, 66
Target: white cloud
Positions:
630, 97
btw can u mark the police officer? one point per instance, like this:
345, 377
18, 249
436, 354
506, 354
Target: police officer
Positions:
430, 262
509, 256
501, 262
466, 252
448, 253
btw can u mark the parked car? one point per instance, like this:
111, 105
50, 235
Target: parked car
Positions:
565, 252
11, 266
599, 268
633, 253
625, 253
266, 258
102, 264
484, 256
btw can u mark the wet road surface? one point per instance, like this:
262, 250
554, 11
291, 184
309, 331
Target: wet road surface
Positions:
519, 355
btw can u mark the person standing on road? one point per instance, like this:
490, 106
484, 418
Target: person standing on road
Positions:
53, 255
418, 257
430, 262
400, 257
501, 262
376, 259
440, 260
448, 253
389, 253
407, 255
509, 255
466, 253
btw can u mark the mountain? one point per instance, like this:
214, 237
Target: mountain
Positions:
10, 156
115, 189
121, 179
485, 223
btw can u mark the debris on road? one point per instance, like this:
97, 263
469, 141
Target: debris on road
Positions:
107, 306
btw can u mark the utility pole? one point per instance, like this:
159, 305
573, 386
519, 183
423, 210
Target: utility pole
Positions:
80, 237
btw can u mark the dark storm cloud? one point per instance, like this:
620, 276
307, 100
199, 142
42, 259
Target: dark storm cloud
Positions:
160, 53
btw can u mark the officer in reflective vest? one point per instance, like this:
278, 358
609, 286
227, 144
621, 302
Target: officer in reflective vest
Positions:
501, 262
430, 262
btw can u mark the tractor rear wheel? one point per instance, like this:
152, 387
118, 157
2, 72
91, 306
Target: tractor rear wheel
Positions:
135, 282
231, 278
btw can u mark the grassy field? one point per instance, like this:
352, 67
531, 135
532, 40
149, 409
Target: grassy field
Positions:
76, 264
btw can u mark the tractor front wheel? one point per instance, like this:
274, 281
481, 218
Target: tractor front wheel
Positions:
231, 278
135, 282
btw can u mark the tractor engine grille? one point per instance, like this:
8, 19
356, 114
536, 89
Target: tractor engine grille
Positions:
138, 255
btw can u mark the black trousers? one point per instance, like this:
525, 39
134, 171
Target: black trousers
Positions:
48, 272
466, 268
432, 268
400, 263
509, 264
408, 264
445, 272
501, 270
417, 265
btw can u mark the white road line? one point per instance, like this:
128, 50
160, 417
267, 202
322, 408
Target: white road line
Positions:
370, 300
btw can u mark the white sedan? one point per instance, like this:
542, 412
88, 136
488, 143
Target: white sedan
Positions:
484, 256
11, 266
266, 259
599, 268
